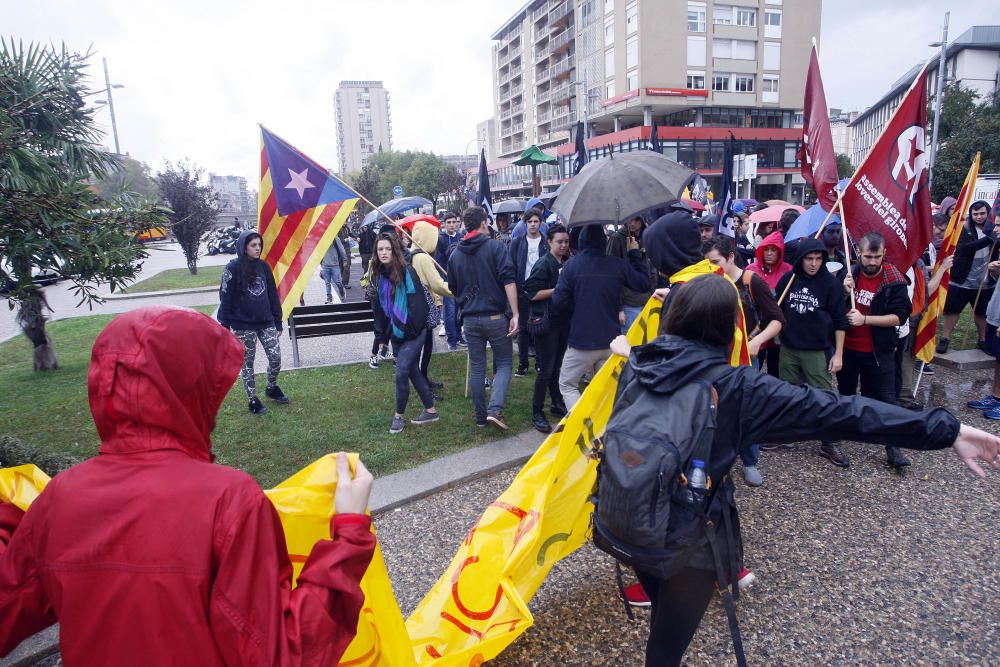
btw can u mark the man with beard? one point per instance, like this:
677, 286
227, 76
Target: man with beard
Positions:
882, 305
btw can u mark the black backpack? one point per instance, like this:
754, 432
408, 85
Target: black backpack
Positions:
646, 514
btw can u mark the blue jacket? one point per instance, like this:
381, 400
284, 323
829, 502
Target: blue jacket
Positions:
519, 257
594, 281
445, 246
248, 305
478, 270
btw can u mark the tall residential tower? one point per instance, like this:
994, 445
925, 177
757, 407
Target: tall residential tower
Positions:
363, 123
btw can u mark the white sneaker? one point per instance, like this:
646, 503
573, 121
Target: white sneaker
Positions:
441, 331
387, 355
373, 361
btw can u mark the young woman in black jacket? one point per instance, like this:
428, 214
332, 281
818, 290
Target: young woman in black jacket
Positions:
550, 346
400, 308
698, 329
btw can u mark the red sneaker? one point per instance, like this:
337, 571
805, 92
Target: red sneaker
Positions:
746, 579
636, 596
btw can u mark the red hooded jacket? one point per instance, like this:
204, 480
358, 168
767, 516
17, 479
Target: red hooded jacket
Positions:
772, 276
149, 553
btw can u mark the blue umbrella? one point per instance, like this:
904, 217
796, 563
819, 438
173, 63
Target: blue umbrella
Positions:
808, 223
395, 207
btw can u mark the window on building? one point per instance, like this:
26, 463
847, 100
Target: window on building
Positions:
632, 52
720, 82
609, 63
631, 18
696, 16
696, 52
744, 84
770, 84
772, 23
609, 31
722, 15
609, 89
696, 81
632, 80
609, 6
587, 12
722, 48
772, 55
747, 17
744, 49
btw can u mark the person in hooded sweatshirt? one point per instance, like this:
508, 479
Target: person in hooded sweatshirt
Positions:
249, 306
694, 335
425, 239
589, 291
770, 265
971, 284
481, 276
151, 554
815, 321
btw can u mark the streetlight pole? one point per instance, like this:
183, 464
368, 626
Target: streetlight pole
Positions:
586, 106
111, 106
937, 100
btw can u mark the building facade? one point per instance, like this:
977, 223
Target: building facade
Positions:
972, 60
697, 68
486, 137
840, 129
233, 195
364, 125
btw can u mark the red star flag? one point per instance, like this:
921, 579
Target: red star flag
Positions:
301, 208
888, 193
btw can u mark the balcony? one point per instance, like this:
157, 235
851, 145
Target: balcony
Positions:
735, 32
504, 115
542, 74
560, 93
504, 78
560, 12
561, 67
734, 65
563, 121
543, 117
539, 12
516, 109
560, 41
542, 52
504, 95
516, 71
543, 96
516, 90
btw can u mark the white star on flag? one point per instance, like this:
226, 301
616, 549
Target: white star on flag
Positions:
299, 182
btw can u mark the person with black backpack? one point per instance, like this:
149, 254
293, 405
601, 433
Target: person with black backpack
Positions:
665, 501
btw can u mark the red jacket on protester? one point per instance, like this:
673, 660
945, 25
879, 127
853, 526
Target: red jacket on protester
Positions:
771, 275
151, 554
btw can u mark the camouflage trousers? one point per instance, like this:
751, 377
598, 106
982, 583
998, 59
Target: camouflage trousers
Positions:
269, 340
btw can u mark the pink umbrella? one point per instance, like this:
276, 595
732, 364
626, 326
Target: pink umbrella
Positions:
772, 213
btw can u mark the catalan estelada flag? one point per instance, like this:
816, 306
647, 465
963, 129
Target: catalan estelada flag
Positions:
927, 329
301, 207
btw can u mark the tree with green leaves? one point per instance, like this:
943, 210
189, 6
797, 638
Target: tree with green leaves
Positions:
129, 176
50, 217
193, 207
968, 125
844, 167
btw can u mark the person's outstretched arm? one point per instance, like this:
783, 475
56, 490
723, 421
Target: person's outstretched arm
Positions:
257, 618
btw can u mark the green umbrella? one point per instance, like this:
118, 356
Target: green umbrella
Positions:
534, 156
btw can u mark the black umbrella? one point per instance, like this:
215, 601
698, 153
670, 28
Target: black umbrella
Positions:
549, 198
510, 206
620, 186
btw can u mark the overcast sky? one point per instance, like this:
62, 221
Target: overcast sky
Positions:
200, 74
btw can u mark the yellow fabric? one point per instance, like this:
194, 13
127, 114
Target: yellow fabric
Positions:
20, 485
425, 235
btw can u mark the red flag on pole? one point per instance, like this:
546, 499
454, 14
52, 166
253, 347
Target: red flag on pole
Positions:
888, 193
819, 163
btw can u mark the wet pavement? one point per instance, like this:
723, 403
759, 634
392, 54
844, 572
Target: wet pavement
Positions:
854, 566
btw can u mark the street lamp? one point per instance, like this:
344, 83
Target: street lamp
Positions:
110, 102
937, 100
586, 105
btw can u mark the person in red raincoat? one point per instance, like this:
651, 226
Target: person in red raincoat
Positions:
149, 553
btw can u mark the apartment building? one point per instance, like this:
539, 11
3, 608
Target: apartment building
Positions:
840, 130
364, 125
233, 195
972, 60
698, 68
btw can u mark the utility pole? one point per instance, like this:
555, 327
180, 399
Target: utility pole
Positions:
111, 106
937, 99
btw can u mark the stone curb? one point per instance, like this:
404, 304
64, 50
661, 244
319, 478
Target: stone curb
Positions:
390, 493
169, 292
965, 360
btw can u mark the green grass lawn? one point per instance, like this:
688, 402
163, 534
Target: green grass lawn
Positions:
965, 336
334, 408
172, 279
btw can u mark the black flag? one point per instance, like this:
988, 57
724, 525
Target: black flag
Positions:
724, 200
654, 140
484, 197
581, 149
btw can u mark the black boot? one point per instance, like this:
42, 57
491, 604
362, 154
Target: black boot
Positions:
896, 458
541, 423
256, 407
275, 394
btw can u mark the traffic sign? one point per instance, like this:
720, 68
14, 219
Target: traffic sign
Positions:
397, 191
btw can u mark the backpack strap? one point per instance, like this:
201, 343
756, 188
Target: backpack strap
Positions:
729, 592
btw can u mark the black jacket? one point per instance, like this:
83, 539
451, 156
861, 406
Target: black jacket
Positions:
416, 312
589, 290
366, 241
519, 256
969, 244
618, 247
478, 269
891, 298
814, 306
757, 407
544, 275
254, 305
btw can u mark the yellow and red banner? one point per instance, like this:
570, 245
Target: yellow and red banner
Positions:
927, 329
301, 208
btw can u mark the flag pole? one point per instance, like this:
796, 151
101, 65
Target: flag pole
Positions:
847, 247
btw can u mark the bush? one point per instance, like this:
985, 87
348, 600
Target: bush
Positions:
15, 452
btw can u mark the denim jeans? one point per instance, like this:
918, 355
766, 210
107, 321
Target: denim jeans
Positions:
549, 351
450, 317
492, 329
408, 370
631, 315
331, 274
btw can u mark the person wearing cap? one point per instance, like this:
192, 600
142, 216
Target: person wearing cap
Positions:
833, 240
706, 227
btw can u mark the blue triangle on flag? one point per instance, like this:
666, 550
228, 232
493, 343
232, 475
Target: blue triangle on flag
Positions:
298, 182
